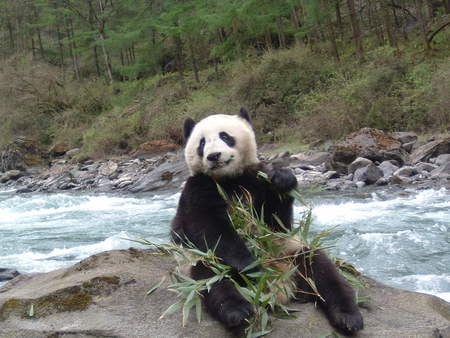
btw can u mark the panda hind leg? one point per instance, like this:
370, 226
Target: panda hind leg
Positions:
337, 300
223, 301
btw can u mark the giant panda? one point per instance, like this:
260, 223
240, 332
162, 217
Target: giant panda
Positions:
221, 150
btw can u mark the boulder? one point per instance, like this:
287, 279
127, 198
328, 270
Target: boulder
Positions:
442, 159
7, 274
106, 296
360, 162
58, 149
21, 154
406, 171
10, 175
387, 168
369, 174
423, 166
369, 143
443, 172
430, 150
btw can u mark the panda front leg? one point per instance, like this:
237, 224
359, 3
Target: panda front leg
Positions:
337, 298
223, 301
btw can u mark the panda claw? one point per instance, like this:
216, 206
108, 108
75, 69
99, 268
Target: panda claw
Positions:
234, 313
348, 323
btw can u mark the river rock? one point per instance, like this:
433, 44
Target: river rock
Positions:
10, 175
152, 147
58, 149
7, 274
108, 168
443, 172
21, 154
430, 150
406, 171
423, 166
369, 143
360, 162
387, 168
369, 174
442, 159
106, 296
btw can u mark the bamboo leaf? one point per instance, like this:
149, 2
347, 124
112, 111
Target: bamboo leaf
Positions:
155, 286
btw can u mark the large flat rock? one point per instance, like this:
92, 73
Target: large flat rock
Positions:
105, 296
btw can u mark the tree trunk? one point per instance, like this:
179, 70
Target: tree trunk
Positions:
339, 18
423, 24
388, 23
355, 27
194, 63
296, 23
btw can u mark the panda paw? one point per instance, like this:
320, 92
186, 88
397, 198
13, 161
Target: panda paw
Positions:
348, 322
234, 312
283, 180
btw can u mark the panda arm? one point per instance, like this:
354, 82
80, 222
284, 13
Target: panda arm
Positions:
205, 223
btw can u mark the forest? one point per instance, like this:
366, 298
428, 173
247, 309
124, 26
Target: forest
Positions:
107, 75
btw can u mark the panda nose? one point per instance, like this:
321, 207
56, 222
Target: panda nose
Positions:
213, 157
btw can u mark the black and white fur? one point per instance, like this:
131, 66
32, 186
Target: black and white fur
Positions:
222, 149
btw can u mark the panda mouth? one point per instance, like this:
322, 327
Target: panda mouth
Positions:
220, 164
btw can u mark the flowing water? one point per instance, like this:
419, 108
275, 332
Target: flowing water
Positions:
402, 240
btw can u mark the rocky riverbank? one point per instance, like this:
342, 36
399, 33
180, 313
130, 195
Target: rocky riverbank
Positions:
106, 296
368, 157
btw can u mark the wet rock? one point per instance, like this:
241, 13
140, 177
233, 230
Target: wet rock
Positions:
108, 168
105, 296
369, 143
422, 166
7, 274
10, 175
387, 168
369, 174
360, 162
442, 159
430, 150
443, 172
406, 171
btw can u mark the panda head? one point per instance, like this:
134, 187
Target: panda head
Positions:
220, 145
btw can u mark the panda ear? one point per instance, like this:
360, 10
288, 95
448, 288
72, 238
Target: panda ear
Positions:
244, 114
189, 124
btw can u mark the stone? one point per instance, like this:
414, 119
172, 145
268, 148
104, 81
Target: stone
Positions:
106, 296
369, 143
408, 146
310, 157
405, 136
360, 162
108, 168
369, 174
423, 166
442, 159
430, 150
7, 274
406, 171
10, 175
21, 154
387, 168
443, 172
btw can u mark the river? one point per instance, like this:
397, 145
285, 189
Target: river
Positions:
401, 239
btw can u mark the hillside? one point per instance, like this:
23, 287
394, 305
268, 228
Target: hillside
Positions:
107, 76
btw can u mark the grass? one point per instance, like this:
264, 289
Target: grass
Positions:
268, 289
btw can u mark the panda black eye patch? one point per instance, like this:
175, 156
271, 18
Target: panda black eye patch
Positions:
201, 147
228, 139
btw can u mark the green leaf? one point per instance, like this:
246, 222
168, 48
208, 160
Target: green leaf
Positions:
155, 286
172, 309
